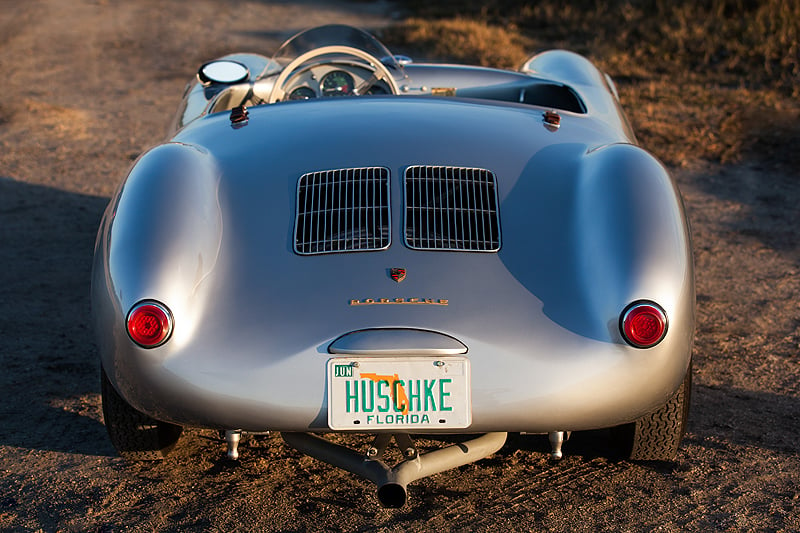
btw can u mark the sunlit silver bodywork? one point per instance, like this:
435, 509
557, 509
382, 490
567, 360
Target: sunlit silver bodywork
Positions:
589, 222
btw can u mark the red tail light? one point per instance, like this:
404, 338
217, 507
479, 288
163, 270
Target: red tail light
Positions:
149, 324
643, 324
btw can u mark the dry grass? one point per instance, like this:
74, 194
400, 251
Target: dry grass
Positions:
709, 79
461, 40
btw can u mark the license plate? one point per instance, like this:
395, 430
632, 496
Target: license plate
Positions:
416, 393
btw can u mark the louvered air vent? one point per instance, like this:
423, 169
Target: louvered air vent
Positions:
343, 210
451, 208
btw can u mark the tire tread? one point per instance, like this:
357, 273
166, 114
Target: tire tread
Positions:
657, 436
135, 435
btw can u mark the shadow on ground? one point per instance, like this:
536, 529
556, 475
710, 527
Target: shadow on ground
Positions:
50, 371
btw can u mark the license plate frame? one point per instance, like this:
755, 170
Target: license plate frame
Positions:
399, 393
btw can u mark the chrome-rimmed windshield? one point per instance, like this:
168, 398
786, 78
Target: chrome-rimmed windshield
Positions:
336, 35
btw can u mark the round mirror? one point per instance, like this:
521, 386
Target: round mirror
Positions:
223, 71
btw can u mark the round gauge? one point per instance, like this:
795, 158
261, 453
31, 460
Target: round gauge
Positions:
302, 93
377, 89
337, 83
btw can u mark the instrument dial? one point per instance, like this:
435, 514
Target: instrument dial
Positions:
302, 93
337, 83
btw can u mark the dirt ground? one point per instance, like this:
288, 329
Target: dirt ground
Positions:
88, 85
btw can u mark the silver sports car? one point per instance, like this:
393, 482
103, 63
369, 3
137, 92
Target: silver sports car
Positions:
336, 239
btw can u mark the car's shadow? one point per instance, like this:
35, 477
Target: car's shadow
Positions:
49, 376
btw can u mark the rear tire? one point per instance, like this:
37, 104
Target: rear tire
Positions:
136, 436
657, 436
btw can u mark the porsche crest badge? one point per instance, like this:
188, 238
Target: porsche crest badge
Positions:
397, 274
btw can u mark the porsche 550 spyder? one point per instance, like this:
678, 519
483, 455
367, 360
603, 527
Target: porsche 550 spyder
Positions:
335, 239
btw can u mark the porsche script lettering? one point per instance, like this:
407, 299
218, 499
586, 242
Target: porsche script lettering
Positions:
400, 301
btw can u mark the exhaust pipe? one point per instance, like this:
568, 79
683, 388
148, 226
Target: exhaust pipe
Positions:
391, 482
392, 495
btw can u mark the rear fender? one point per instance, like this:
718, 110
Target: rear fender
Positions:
159, 240
632, 237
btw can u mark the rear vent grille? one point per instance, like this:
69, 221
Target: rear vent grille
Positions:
451, 208
343, 210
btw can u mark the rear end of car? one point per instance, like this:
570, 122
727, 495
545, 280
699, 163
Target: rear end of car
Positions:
487, 260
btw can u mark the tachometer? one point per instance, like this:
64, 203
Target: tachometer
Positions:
337, 83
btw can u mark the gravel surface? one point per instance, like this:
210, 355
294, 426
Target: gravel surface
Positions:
89, 85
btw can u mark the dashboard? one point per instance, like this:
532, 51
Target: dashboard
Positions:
330, 80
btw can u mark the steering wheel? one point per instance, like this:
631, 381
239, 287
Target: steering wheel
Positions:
380, 72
